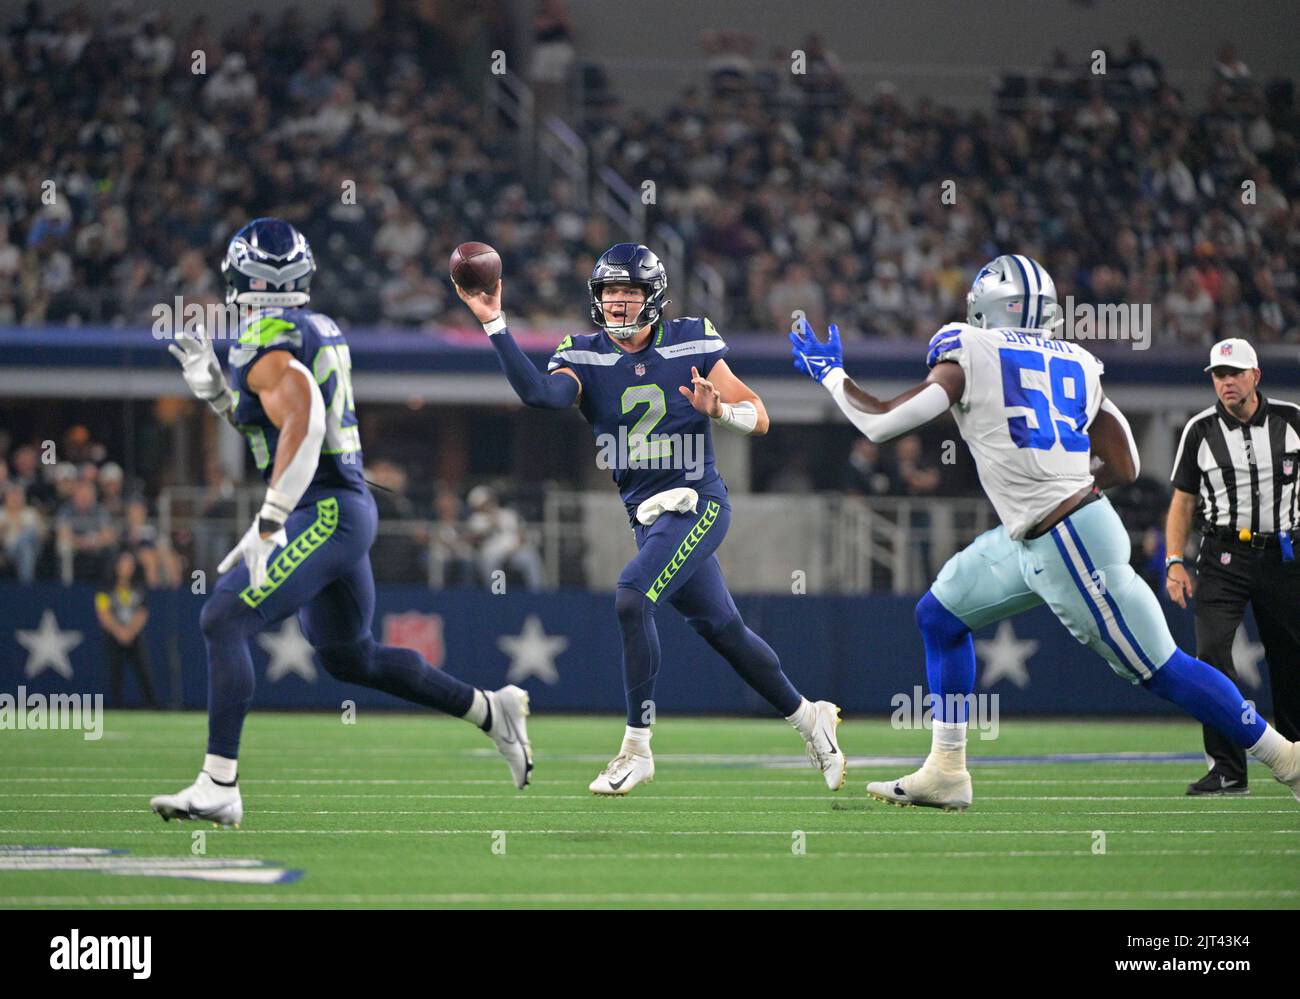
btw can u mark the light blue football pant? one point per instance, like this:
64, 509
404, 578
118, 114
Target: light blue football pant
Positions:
1080, 569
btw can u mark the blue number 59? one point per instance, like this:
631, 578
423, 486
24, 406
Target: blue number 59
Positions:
1069, 397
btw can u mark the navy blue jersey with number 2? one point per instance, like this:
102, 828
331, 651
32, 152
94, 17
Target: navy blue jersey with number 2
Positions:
647, 432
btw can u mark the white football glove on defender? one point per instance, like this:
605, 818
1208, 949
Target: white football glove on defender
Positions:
201, 369
255, 550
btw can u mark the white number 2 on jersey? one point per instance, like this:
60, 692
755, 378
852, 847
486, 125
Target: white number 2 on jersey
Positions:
341, 433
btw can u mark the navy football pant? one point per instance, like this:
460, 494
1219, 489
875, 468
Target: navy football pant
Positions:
676, 564
323, 575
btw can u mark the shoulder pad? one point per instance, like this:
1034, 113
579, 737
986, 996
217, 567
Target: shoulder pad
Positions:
947, 341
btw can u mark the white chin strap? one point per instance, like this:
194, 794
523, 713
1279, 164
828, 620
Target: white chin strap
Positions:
622, 332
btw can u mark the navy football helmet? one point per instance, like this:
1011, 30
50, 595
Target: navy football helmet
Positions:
268, 262
637, 265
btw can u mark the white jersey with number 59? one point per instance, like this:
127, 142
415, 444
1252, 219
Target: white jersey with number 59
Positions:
1024, 414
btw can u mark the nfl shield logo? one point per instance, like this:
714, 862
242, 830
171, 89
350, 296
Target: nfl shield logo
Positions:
1225, 350
639, 369
1225, 558
1288, 466
421, 632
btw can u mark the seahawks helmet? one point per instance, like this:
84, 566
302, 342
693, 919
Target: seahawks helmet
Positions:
1013, 292
634, 264
268, 262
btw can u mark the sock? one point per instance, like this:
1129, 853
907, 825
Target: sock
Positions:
1209, 697
948, 745
636, 621
636, 741
757, 664
480, 711
949, 659
220, 769
1271, 749
803, 717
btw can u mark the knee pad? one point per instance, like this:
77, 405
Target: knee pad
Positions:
934, 619
630, 605
348, 661
224, 615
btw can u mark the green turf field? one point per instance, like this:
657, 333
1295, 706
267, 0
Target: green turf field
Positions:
405, 810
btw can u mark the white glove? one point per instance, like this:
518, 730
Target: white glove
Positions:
254, 550
201, 369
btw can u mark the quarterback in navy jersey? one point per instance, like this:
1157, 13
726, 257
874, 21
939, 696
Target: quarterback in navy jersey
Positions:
308, 550
652, 389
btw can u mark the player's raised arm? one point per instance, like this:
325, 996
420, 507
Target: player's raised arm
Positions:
729, 401
202, 371
293, 402
1112, 443
879, 419
557, 390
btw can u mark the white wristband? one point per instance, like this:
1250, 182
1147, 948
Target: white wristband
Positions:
222, 403
495, 325
834, 379
276, 505
741, 417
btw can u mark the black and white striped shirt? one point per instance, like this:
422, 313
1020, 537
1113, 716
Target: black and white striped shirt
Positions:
1244, 474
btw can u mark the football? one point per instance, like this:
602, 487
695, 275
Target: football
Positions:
475, 267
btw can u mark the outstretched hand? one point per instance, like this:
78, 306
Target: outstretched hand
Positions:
812, 357
703, 395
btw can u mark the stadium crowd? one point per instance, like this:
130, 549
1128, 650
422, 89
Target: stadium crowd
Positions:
799, 193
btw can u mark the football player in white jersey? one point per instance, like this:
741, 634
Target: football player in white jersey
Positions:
1046, 440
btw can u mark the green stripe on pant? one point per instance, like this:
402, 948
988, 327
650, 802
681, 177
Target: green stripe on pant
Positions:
684, 550
296, 551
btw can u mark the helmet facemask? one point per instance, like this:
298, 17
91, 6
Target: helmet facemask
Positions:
646, 314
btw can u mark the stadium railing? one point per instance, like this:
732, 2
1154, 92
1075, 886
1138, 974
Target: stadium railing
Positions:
827, 543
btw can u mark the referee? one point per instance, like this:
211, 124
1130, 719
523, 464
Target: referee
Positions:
1236, 469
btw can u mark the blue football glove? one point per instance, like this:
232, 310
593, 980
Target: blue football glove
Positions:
814, 358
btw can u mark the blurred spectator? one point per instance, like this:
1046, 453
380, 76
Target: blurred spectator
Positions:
1189, 310
498, 537
85, 532
123, 613
866, 474
159, 562
22, 529
399, 550
453, 549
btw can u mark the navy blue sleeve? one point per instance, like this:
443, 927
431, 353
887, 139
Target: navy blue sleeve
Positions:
533, 388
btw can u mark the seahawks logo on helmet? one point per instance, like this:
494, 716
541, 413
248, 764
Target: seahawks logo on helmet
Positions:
1014, 292
637, 265
268, 262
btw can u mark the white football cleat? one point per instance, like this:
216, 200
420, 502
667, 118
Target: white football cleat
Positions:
824, 749
625, 771
929, 786
204, 799
509, 730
